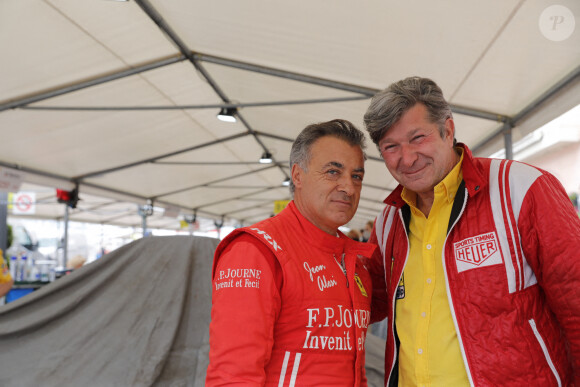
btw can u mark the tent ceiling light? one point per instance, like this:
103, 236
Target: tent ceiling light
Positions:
227, 114
286, 182
266, 158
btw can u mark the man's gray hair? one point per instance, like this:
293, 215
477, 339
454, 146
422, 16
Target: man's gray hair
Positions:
389, 105
341, 129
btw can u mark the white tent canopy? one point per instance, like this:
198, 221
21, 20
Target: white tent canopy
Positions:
120, 98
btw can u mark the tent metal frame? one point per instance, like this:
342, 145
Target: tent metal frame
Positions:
196, 59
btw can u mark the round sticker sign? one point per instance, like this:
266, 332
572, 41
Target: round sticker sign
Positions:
24, 203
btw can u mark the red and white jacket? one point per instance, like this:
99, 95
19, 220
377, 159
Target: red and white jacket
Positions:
284, 313
512, 266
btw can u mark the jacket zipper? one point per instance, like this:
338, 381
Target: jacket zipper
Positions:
392, 324
545, 350
342, 266
449, 291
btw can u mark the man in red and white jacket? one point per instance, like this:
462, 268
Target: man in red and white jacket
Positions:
291, 294
478, 272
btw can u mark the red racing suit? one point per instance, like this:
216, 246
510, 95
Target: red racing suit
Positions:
284, 312
512, 266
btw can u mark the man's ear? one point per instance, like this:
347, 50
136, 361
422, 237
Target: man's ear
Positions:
297, 173
449, 130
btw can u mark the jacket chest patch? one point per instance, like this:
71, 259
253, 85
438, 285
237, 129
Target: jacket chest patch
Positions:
360, 285
477, 251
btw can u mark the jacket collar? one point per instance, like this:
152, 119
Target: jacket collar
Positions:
333, 244
474, 181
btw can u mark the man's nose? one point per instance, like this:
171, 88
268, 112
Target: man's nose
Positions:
347, 185
408, 155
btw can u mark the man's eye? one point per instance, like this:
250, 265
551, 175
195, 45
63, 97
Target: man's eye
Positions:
332, 171
358, 177
418, 138
388, 148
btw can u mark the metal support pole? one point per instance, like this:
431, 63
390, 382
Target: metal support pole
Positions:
3, 221
219, 226
191, 221
145, 211
507, 138
144, 223
65, 239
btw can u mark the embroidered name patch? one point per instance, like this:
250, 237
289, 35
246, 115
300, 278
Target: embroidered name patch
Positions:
478, 251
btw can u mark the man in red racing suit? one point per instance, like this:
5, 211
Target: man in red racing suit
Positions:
291, 294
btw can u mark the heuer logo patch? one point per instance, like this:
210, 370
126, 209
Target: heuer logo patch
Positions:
478, 251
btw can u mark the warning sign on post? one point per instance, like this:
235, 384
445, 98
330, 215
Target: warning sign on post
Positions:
24, 203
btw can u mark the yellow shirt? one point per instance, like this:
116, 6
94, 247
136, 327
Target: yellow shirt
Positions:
429, 352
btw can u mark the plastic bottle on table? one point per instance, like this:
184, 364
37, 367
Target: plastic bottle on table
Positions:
13, 265
23, 268
18, 268
12, 255
33, 272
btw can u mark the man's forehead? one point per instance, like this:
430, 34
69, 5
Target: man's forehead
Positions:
333, 149
389, 137
340, 165
417, 113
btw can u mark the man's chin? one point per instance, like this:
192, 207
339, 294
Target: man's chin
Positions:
343, 218
418, 185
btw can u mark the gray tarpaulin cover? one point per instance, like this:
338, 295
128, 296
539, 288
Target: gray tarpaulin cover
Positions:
138, 316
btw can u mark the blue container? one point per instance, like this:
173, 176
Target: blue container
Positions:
15, 294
